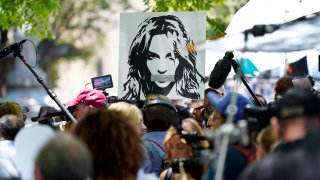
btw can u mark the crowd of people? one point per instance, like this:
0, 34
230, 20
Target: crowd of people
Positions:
160, 139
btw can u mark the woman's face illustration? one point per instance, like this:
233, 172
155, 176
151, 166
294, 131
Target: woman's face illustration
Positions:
161, 60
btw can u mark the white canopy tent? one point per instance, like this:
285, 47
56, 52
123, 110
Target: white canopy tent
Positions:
267, 61
257, 12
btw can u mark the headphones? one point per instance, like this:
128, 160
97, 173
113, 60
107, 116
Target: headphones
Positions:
159, 102
172, 114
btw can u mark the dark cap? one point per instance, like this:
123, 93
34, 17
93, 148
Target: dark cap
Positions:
297, 102
46, 112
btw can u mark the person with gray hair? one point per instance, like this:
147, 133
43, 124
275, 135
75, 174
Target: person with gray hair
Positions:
63, 157
10, 125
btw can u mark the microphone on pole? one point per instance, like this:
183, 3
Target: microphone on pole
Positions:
220, 71
7, 50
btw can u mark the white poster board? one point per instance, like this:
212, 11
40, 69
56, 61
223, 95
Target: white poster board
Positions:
157, 55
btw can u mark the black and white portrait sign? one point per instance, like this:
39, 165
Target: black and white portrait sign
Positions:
157, 55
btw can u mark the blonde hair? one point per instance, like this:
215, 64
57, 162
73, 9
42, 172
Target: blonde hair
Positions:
266, 138
129, 112
10, 108
189, 125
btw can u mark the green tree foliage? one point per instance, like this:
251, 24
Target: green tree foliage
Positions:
66, 28
219, 12
33, 15
79, 29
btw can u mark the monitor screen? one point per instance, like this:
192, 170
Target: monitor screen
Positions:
102, 82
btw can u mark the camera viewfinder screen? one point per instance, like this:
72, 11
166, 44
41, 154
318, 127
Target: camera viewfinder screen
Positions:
102, 82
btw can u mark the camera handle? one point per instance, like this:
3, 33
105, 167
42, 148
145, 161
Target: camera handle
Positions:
227, 128
105, 93
17, 53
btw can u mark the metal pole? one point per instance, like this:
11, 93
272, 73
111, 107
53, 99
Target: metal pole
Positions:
17, 53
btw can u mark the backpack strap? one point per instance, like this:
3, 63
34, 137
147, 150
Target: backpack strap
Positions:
154, 142
154, 156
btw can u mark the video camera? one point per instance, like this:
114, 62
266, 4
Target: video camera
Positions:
194, 164
259, 117
200, 156
305, 82
51, 117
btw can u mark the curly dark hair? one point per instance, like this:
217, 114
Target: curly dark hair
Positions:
115, 145
282, 85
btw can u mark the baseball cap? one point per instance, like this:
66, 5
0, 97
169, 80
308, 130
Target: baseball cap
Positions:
222, 104
297, 102
46, 112
91, 97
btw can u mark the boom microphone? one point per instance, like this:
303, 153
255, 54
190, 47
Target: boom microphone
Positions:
221, 71
7, 50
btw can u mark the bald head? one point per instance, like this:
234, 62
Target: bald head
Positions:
10, 125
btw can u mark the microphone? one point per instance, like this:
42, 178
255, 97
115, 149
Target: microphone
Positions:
221, 71
7, 50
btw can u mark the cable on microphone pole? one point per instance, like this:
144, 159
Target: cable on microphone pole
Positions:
16, 49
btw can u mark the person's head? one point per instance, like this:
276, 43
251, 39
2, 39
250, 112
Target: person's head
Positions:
154, 96
266, 139
281, 86
114, 143
158, 115
11, 108
221, 106
10, 125
297, 112
216, 119
63, 157
207, 107
129, 112
161, 50
87, 101
175, 146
